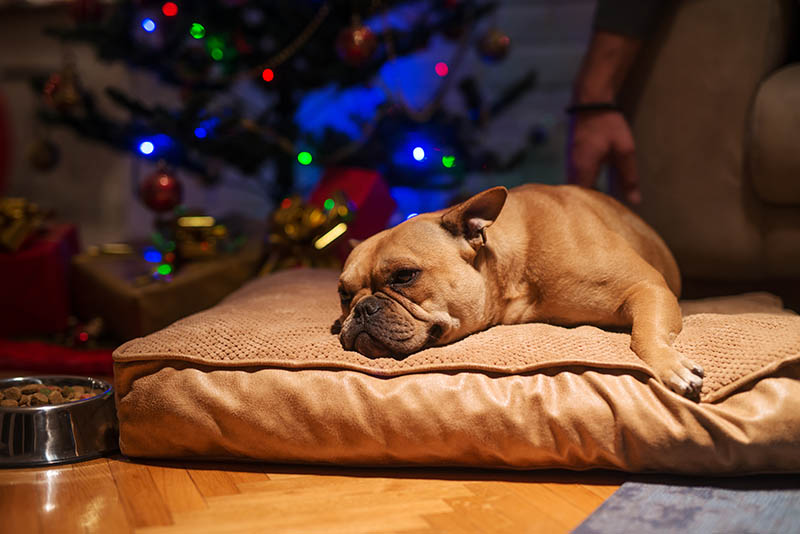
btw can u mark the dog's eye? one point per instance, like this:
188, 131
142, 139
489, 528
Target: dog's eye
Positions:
403, 277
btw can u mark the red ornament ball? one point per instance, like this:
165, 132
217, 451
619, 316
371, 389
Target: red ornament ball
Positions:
356, 44
494, 45
161, 191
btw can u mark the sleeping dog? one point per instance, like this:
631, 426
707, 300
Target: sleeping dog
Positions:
557, 254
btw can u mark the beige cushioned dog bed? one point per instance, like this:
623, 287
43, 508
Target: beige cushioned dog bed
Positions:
260, 376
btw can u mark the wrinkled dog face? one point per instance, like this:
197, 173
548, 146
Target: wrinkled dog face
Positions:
413, 286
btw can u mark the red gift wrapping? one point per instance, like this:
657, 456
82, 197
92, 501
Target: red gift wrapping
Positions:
34, 292
45, 358
368, 192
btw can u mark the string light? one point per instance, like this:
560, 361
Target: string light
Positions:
448, 161
164, 269
152, 255
286, 203
146, 148
170, 9
149, 25
217, 54
418, 153
411, 215
328, 204
200, 132
197, 30
330, 236
441, 69
268, 75
304, 158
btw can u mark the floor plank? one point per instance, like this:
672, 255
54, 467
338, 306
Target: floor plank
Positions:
177, 489
16, 502
140, 497
213, 482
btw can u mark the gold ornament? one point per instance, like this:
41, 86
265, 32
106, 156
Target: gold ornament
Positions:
199, 236
62, 90
303, 235
19, 220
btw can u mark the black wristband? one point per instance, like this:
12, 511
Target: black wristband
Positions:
593, 106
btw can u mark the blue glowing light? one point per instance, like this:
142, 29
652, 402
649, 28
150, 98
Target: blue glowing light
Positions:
155, 145
410, 215
152, 255
205, 128
418, 153
149, 25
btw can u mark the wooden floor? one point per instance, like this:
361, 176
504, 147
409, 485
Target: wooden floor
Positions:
115, 494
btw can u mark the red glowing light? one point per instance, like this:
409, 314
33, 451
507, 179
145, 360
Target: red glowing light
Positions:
286, 203
441, 69
83, 336
268, 75
170, 9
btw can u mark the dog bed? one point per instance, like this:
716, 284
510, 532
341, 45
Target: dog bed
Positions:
261, 377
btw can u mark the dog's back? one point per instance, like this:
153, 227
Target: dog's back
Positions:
592, 209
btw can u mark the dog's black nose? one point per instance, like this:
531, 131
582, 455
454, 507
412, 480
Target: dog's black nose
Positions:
368, 306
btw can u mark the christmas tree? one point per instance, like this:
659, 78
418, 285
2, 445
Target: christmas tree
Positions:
250, 74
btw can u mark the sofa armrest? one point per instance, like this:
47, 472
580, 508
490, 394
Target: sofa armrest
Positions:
773, 156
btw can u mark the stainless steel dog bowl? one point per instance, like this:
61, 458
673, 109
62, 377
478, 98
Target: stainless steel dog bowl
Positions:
43, 435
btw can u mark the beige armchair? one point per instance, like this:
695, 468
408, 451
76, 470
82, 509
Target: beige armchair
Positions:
715, 109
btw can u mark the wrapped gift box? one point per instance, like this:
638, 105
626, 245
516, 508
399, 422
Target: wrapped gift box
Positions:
117, 288
34, 292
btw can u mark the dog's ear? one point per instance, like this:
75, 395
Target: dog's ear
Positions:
474, 215
336, 327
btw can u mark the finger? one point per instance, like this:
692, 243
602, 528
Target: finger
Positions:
583, 167
628, 175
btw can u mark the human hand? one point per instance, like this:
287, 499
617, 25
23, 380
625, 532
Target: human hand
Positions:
598, 137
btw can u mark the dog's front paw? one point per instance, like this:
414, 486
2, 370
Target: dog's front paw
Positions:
682, 376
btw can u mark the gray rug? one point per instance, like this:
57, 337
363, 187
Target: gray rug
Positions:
744, 505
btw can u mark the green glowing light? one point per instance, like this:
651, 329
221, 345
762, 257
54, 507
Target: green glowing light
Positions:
197, 30
304, 158
164, 269
448, 161
216, 53
329, 203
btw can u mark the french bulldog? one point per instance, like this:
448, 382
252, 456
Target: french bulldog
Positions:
563, 255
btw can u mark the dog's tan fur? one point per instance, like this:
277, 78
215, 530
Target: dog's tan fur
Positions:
556, 254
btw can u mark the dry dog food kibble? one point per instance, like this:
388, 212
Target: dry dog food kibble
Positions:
41, 395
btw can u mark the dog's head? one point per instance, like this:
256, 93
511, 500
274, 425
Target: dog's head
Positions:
418, 284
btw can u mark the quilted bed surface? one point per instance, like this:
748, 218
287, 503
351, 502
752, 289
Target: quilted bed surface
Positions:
284, 321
